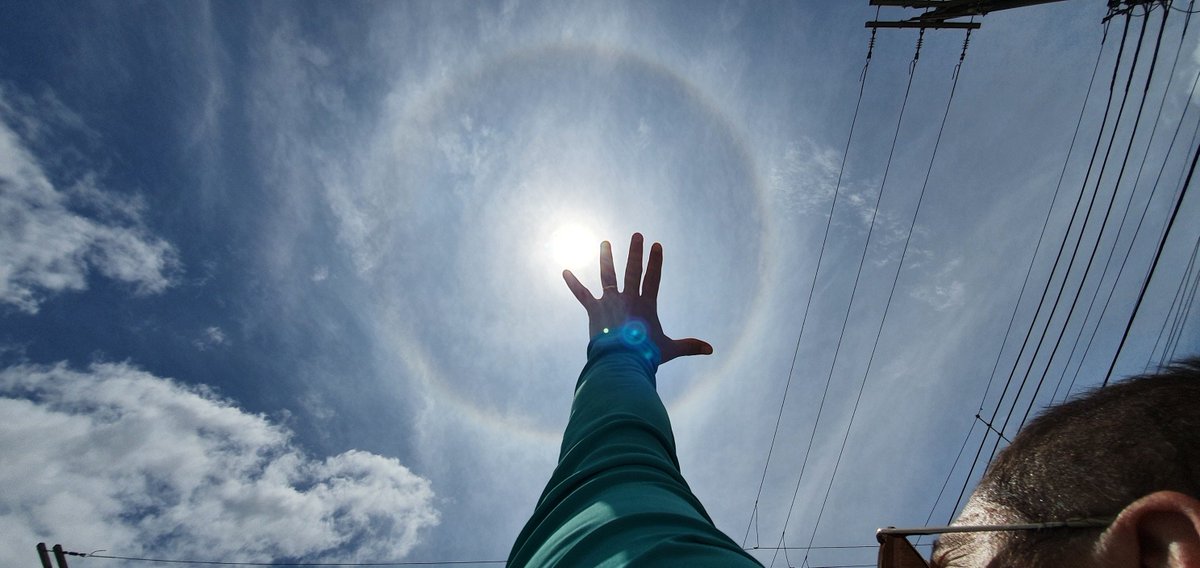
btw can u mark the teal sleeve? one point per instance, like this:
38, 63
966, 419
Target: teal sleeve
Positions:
617, 497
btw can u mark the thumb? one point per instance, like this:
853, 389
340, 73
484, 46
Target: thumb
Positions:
686, 347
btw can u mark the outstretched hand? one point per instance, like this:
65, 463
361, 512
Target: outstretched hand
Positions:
638, 300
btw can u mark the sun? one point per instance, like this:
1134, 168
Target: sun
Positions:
573, 246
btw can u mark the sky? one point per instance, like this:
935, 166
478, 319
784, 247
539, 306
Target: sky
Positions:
280, 281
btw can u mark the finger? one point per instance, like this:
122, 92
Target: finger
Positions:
633, 266
581, 292
653, 273
608, 273
686, 347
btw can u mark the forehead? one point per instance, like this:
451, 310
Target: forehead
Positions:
962, 550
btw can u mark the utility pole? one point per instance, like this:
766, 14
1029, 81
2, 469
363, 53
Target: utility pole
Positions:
60, 555
44, 555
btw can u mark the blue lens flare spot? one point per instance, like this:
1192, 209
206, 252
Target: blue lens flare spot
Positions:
633, 333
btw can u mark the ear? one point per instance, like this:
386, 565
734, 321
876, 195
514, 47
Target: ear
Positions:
1160, 530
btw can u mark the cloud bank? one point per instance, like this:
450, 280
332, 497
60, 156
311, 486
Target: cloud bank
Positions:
116, 458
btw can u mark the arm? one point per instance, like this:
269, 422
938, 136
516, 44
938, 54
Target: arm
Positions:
617, 496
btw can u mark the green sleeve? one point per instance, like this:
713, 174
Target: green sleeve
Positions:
617, 497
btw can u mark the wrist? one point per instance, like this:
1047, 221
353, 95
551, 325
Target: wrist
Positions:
632, 336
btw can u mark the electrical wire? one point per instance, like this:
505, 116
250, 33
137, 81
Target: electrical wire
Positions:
811, 289
950, 473
1095, 149
1141, 221
1153, 266
1075, 249
1186, 312
1185, 306
1177, 300
1189, 11
1025, 283
1070, 226
1124, 216
235, 563
842, 547
1045, 222
850, 304
892, 292
1087, 269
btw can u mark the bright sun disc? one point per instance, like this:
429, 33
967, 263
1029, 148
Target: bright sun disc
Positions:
573, 246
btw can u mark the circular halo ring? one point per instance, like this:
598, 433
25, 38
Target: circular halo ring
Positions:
701, 388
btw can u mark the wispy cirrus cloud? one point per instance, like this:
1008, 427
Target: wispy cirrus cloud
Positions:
117, 458
56, 229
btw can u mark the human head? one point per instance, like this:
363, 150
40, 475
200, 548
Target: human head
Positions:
1130, 450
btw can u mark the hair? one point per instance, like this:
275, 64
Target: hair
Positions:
1093, 456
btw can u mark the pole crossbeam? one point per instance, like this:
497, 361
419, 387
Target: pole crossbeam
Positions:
938, 13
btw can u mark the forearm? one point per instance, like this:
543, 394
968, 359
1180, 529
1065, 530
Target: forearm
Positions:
617, 490
616, 386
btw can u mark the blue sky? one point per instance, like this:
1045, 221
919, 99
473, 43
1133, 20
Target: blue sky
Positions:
281, 280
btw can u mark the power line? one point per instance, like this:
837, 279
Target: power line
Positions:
1176, 300
1045, 222
812, 287
842, 547
846, 317
1153, 266
891, 293
1189, 11
1095, 149
1128, 207
1028, 272
1185, 306
1075, 249
239, 563
950, 473
1186, 312
1141, 220
1100, 232
1071, 224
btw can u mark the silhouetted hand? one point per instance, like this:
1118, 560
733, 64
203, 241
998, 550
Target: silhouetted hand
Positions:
614, 309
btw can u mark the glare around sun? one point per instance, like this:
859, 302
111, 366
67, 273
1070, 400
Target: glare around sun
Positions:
573, 246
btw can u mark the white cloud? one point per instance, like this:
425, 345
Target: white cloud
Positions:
943, 291
212, 336
320, 274
48, 244
804, 178
116, 458
942, 297
317, 407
